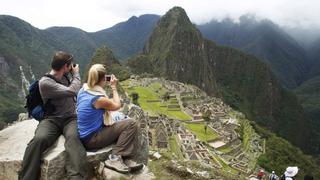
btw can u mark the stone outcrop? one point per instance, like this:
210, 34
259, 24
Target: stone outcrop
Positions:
13, 142
142, 148
4, 67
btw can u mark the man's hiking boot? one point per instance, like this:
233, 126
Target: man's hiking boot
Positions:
116, 163
134, 166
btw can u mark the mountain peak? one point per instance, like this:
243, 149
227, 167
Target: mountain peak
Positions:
175, 16
172, 30
176, 10
133, 18
104, 55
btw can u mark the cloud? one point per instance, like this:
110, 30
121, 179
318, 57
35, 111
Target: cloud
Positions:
95, 15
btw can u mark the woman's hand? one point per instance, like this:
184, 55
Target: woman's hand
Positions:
113, 81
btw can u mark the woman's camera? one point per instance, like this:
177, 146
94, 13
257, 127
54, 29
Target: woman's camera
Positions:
108, 78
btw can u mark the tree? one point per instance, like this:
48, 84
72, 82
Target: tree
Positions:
206, 118
135, 97
205, 129
166, 96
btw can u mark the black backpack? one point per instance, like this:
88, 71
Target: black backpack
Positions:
34, 104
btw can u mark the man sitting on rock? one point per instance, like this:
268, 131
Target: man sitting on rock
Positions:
62, 120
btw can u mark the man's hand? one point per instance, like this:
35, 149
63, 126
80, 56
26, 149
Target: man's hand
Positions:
75, 68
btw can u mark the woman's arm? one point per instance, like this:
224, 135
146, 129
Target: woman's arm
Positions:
105, 103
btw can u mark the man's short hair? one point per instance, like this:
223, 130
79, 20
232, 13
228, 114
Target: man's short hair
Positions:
59, 59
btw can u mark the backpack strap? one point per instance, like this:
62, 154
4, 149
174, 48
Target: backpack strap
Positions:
52, 77
66, 76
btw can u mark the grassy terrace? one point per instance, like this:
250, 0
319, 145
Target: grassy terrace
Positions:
225, 149
155, 92
175, 147
198, 130
225, 166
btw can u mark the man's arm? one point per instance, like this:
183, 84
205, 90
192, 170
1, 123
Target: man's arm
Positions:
49, 88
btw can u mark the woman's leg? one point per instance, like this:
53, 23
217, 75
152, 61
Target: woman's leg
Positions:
122, 132
126, 139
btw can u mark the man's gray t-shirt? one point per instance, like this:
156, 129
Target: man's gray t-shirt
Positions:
61, 95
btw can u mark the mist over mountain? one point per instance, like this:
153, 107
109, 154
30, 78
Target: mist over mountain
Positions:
265, 40
306, 37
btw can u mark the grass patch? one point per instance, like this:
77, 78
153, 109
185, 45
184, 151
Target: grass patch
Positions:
175, 147
155, 108
225, 166
225, 149
198, 130
156, 166
157, 87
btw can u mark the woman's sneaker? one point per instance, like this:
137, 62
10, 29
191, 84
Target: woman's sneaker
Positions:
134, 166
116, 163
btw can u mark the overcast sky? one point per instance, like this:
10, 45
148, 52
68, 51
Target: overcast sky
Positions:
94, 15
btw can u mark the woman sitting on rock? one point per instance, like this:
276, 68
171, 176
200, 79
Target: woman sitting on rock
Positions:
96, 126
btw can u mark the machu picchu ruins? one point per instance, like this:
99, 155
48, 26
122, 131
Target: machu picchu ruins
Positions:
207, 132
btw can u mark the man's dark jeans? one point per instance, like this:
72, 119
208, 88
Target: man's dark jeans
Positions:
46, 134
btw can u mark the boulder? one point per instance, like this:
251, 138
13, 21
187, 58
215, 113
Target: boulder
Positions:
14, 140
142, 144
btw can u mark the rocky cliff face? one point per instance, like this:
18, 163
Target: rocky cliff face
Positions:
4, 67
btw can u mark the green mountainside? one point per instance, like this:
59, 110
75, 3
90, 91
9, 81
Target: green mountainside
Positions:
26, 46
106, 57
77, 41
308, 91
127, 38
177, 51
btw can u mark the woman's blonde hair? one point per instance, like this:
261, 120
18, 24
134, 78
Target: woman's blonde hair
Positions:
96, 73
